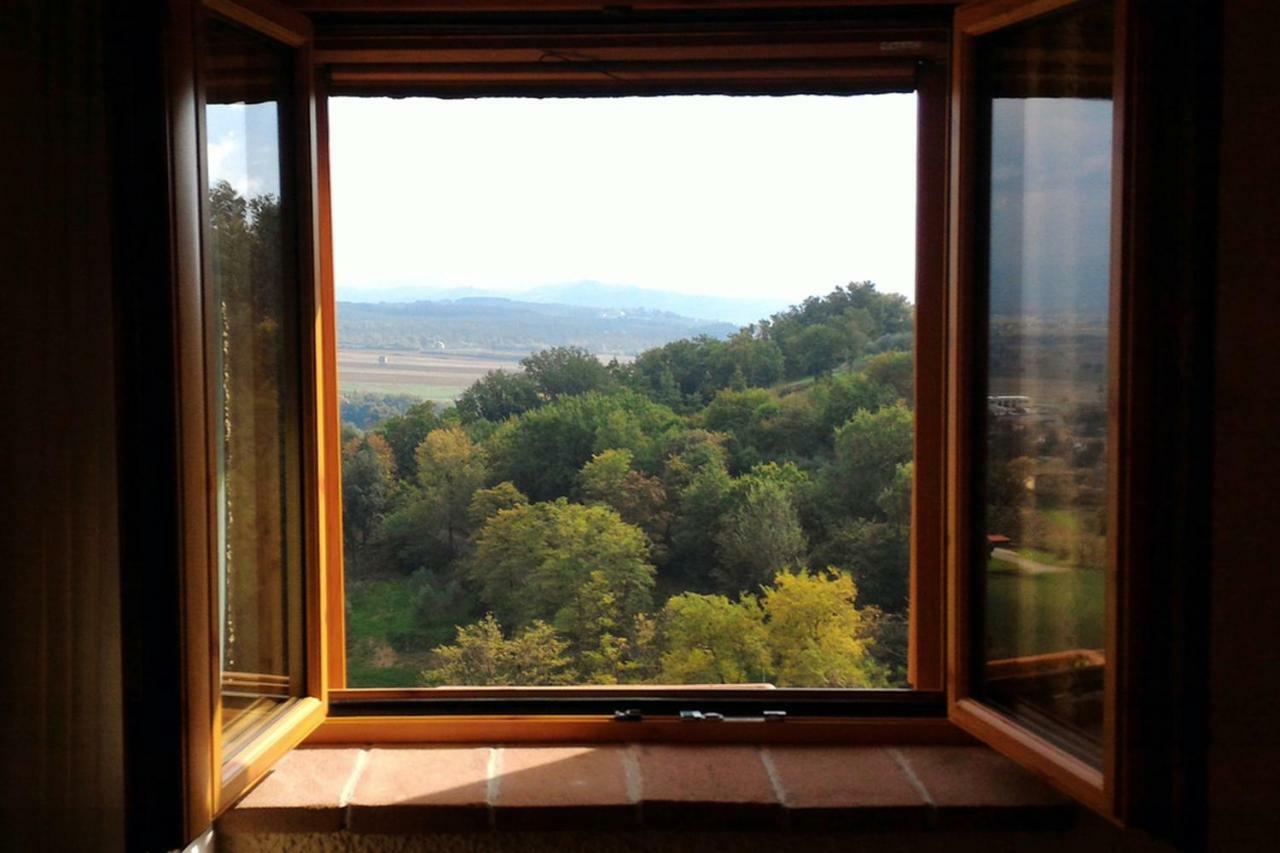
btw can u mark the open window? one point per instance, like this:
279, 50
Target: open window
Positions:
377, 678
1022, 509
1037, 448
250, 441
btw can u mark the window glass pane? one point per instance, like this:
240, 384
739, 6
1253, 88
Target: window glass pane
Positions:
1046, 90
613, 411
255, 368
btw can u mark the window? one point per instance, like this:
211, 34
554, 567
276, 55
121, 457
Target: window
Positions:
248, 438
621, 420
1020, 508
438, 595
1048, 263
1039, 347
252, 355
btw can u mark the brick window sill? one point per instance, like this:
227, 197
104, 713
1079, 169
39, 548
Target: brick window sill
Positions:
416, 790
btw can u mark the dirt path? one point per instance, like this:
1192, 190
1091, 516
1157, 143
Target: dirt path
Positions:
1027, 565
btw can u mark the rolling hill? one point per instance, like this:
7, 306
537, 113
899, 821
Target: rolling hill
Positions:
484, 324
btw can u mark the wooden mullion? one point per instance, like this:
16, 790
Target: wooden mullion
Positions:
926, 601
620, 78
333, 631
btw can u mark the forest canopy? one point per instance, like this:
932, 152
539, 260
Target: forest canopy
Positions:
716, 511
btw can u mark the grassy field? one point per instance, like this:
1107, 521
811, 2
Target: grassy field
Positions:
438, 377
383, 619
1029, 614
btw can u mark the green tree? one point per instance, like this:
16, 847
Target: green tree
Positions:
894, 370
368, 488
761, 535
758, 361
818, 349
895, 500
581, 568
869, 449
405, 432
451, 467
602, 478
640, 500
482, 656
848, 393
878, 557
542, 451
408, 540
566, 372
741, 415
712, 640
486, 503
796, 429
498, 396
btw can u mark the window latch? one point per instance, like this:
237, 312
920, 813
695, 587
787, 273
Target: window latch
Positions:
716, 717
628, 715
700, 716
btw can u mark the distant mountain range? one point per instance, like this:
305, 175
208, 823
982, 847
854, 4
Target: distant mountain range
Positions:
588, 294
501, 325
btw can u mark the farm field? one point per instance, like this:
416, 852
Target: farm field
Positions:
439, 377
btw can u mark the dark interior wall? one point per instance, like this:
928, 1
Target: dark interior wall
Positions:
61, 775
1244, 747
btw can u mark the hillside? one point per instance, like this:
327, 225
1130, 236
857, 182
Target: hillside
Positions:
586, 294
499, 325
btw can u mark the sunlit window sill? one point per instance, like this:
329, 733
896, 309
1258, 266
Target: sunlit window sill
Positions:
449, 789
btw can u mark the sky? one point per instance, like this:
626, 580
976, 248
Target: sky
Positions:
243, 142
1051, 205
761, 197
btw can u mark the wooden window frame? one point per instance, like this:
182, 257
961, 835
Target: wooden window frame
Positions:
1158, 493
1100, 788
215, 777
859, 57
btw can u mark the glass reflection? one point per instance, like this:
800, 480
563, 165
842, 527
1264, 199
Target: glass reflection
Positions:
1046, 91
255, 373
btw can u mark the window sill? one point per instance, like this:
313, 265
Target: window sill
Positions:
414, 790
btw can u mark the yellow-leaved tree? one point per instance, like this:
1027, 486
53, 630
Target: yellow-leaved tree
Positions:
817, 635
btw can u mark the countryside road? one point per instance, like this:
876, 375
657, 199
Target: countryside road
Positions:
1025, 564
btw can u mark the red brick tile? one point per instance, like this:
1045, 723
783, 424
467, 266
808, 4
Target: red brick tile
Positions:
845, 787
303, 793
975, 784
568, 787
711, 787
440, 789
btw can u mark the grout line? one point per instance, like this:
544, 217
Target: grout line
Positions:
349, 789
631, 769
905, 766
635, 782
772, 770
493, 784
